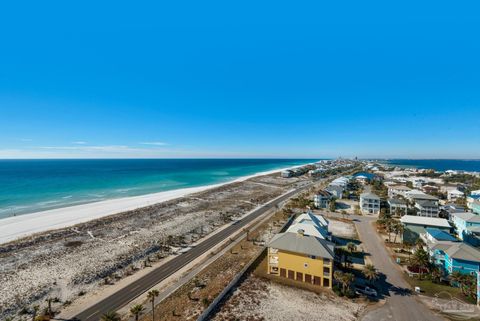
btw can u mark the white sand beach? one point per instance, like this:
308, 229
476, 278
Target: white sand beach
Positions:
13, 228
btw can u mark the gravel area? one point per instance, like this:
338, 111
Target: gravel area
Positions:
261, 300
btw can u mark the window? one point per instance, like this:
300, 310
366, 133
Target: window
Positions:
313, 257
291, 274
316, 280
299, 276
326, 282
308, 278
305, 265
326, 270
283, 273
326, 261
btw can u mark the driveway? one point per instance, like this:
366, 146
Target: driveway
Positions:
401, 304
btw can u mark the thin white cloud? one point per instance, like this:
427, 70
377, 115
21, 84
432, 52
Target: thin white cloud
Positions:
26, 139
80, 142
154, 143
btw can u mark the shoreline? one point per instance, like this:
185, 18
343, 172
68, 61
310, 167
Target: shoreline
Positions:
17, 227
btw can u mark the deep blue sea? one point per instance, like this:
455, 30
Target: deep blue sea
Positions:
34, 185
439, 164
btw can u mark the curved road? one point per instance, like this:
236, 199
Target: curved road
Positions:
140, 286
401, 304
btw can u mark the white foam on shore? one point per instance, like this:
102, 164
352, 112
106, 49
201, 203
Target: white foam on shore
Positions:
16, 227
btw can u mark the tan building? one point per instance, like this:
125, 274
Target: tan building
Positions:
301, 257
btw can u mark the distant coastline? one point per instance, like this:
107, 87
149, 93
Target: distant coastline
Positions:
437, 164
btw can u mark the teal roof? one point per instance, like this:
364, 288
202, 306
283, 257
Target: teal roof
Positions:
440, 235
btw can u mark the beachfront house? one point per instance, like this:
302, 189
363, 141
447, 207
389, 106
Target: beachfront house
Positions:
370, 203
322, 199
467, 226
287, 173
427, 208
397, 190
413, 226
398, 206
302, 258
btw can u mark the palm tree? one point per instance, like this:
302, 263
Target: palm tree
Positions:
151, 296
111, 316
397, 229
456, 278
345, 279
136, 311
341, 254
370, 273
351, 247
421, 260
436, 275
35, 311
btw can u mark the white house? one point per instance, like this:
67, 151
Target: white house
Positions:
416, 194
397, 190
322, 199
427, 208
398, 207
287, 173
454, 194
369, 203
335, 190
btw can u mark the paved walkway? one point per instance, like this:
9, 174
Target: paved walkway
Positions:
401, 304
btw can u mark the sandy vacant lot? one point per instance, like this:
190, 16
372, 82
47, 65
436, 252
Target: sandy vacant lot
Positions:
261, 300
342, 229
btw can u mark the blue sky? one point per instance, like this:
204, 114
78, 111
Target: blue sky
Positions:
239, 79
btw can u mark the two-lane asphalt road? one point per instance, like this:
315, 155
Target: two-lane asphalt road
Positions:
401, 304
140, 286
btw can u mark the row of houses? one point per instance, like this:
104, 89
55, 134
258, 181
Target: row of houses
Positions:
448, 252
304, 252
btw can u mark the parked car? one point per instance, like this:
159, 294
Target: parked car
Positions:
365, 290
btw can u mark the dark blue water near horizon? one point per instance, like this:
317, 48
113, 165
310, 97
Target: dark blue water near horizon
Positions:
439, 164
34, 185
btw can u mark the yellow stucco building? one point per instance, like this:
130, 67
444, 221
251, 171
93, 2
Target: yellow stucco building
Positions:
301, 257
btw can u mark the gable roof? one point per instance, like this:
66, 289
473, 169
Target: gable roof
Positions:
424, 203
324, 193
416, 194
397, 201
309, 229
427, 221
463, 251
308, 217
304, 244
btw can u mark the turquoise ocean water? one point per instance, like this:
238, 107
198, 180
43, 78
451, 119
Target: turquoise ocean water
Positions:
28, 186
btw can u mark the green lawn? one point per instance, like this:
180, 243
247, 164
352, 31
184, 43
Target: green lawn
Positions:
430, 289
